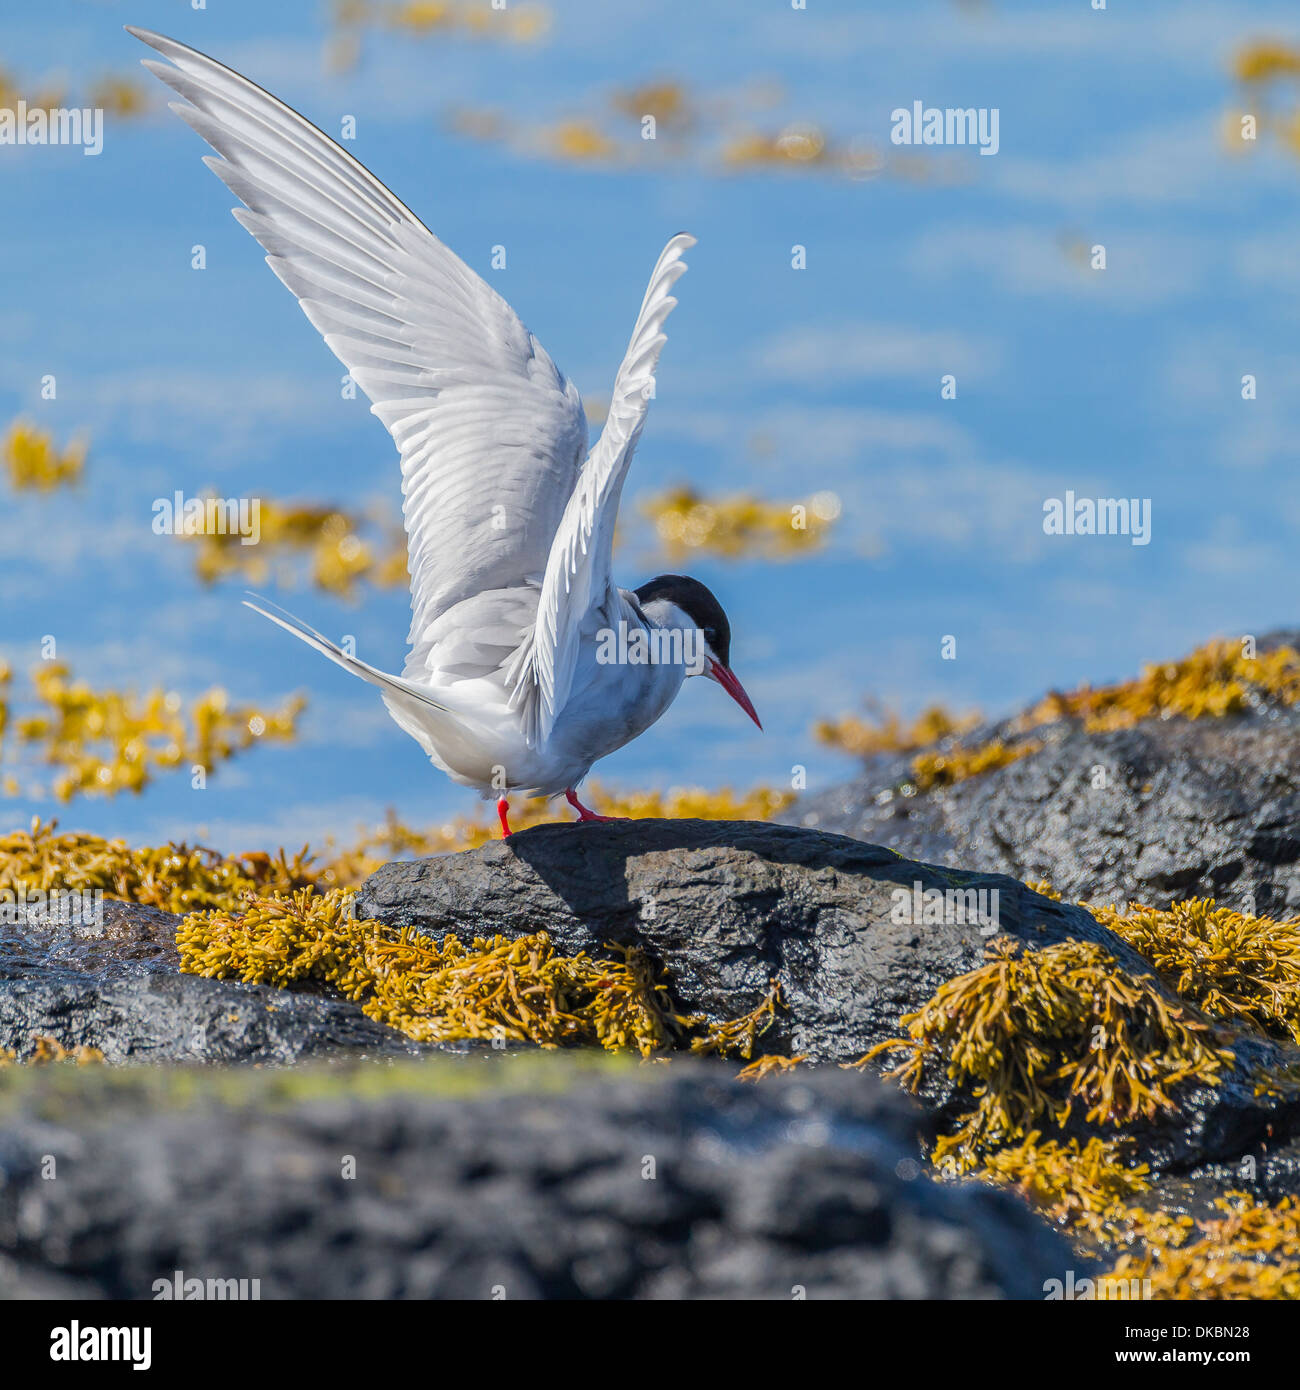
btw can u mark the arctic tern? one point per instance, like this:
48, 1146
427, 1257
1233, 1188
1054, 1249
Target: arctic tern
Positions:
509, 519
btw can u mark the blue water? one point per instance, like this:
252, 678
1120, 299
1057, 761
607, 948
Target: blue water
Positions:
1117, 383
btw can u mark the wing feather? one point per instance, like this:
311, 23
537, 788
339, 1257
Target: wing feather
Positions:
579, 570
482, 417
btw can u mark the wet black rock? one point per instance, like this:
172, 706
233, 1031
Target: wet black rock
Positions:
725, 907
116, 987
1154, 814
656, 1183
722, 908
1167, 810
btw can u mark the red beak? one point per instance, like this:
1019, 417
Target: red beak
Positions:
725, 677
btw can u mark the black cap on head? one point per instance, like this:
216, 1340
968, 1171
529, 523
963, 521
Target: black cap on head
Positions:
699, 605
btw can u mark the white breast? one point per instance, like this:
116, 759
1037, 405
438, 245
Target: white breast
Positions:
466, 660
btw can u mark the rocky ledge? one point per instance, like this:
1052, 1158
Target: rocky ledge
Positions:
1172, 808
844, 928
117, 988
725, 907
808, 1180
511, 1177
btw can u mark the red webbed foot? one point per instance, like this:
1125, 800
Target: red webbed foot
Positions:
585, 813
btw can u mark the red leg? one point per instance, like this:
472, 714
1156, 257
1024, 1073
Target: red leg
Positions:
503, 810
584, 812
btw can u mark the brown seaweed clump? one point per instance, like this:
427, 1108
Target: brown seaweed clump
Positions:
942, 769
888, 733
737, 1037
770, 1064
176, 878
46, 1050
1085, 1187
339, 556
934, 767
1215, 680
103, 742
497, 990
494, 990
1251, 1251
1033, 1034
32, 459
1232, 966
739, 526
183, 878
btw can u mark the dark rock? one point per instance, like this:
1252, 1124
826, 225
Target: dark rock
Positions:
118, 989
1268, 1172
724, 907
659, 1184
1188, 808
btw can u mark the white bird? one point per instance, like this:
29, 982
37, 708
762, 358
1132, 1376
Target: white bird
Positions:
522, 667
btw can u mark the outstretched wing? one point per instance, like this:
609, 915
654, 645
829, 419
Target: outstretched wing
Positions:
491, 434
579, 570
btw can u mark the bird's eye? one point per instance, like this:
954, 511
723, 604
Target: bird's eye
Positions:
711, 636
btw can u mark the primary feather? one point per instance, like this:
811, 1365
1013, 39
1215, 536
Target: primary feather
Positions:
479, 413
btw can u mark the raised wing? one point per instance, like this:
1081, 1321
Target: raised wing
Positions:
579, 570
491, 435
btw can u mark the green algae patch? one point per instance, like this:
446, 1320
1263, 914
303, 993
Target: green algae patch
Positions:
101, 1095
1034, 1034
